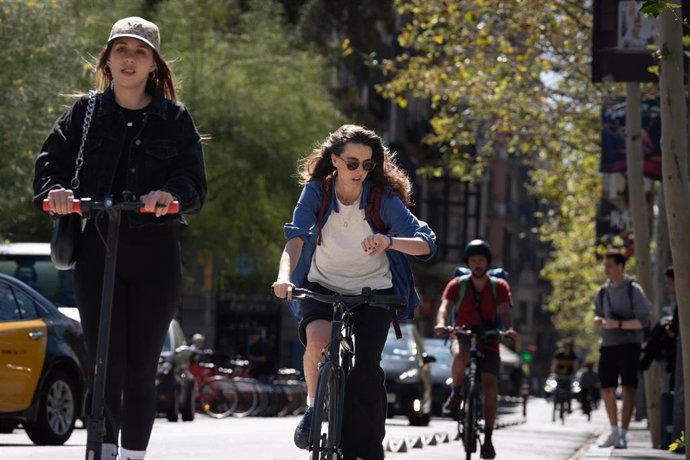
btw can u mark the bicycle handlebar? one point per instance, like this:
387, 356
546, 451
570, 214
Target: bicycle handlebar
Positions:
367, 297
86, 205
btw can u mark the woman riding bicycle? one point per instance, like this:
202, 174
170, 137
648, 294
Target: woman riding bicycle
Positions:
334, 245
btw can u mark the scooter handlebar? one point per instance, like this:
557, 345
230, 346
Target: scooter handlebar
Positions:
173, 207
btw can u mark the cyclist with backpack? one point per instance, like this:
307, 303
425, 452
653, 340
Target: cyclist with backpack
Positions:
477, 301
351, 229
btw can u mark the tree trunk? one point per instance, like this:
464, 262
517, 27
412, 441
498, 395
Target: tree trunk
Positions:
675, 176
640, 221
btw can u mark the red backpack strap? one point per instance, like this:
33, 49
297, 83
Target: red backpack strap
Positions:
373, 210
325, 203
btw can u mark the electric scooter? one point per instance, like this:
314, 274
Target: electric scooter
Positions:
95, 427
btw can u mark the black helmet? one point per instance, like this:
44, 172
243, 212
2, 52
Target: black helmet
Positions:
478, 247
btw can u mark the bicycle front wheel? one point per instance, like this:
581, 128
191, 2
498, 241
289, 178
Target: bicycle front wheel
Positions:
327, 416
218, 397
470, 428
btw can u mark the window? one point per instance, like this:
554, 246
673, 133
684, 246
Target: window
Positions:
9, 310
25, 304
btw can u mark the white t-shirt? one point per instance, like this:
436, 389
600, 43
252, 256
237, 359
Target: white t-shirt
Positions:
339, 262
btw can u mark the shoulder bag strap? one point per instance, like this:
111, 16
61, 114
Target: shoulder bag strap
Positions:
75, 182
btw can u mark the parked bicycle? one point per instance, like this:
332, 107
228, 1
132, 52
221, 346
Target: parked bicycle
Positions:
471, 407
324, 442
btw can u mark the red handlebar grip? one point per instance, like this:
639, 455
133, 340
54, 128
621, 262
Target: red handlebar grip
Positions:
173, 208
76, 205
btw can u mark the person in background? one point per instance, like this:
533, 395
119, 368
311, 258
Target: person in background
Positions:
480, 307
142, 142
259, 356
621, 311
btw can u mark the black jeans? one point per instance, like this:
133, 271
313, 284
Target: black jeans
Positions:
147, 290
364, 416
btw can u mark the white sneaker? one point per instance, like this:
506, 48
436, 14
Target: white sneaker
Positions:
621, 442
610, 441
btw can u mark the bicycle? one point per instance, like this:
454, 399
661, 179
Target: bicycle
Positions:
562, 396
470, 411
324, 442
95, 427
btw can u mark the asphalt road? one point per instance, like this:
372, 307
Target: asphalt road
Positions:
271, 438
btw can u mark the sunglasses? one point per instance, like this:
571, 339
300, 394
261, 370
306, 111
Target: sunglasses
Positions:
352, 164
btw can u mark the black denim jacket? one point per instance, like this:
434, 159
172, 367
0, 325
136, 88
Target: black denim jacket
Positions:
165, 155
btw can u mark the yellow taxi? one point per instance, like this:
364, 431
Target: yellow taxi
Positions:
42, 354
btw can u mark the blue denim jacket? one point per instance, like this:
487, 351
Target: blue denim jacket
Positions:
399, 221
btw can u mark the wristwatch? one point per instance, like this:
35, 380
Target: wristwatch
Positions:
620, 324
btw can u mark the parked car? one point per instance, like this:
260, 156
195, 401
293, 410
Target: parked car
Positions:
440, 371
31, 263
408, 376
42, 363
174, 382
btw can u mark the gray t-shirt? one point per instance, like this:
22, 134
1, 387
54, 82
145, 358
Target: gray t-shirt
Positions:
614, 303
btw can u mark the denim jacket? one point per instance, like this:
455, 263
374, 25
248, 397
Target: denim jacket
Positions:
399, 221
165, 155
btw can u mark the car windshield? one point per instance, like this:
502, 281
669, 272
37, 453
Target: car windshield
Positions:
398, 349
439, 351
39, 272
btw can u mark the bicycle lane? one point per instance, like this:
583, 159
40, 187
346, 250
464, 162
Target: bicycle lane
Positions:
534, 437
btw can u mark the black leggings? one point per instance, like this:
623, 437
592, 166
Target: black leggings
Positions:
364, 416
147, 290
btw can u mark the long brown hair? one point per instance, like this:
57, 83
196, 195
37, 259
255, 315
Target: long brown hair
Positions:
163, 76
386, 173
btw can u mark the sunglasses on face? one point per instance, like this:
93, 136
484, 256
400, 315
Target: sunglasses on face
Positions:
352, 164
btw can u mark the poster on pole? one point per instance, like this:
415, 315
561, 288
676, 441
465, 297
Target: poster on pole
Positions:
613, 153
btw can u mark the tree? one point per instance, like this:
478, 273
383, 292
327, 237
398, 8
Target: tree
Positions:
261, 100
674, 150
505, 76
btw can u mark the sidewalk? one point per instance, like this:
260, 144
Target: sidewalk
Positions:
639, 447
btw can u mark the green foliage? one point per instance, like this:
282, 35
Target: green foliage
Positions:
262, 102
504, 76
679, 444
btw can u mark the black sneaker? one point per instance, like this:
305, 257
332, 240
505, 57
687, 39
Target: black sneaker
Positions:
488, 450
452, 406
303, 430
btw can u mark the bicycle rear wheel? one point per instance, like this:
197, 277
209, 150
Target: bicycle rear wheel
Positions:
218, 397
327, 417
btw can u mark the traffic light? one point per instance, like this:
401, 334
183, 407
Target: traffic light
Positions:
526, 356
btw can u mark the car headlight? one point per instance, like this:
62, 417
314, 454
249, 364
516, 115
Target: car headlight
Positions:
550, 385
165, 368
408, 375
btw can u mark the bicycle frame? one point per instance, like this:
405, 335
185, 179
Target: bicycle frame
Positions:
330, 388
471, 409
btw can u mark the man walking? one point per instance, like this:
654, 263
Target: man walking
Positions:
621, 312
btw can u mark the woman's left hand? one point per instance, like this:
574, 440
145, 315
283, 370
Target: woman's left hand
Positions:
157, 197
375, 244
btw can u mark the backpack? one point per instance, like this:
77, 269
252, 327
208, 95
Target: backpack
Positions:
602, 292
464, 274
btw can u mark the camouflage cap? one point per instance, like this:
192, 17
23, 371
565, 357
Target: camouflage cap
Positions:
139, 28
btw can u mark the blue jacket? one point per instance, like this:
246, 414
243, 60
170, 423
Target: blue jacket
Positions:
399, 221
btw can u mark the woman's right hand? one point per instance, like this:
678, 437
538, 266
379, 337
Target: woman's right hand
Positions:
60, 200
282, 289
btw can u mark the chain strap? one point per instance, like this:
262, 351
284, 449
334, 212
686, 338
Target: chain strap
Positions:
74, 183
